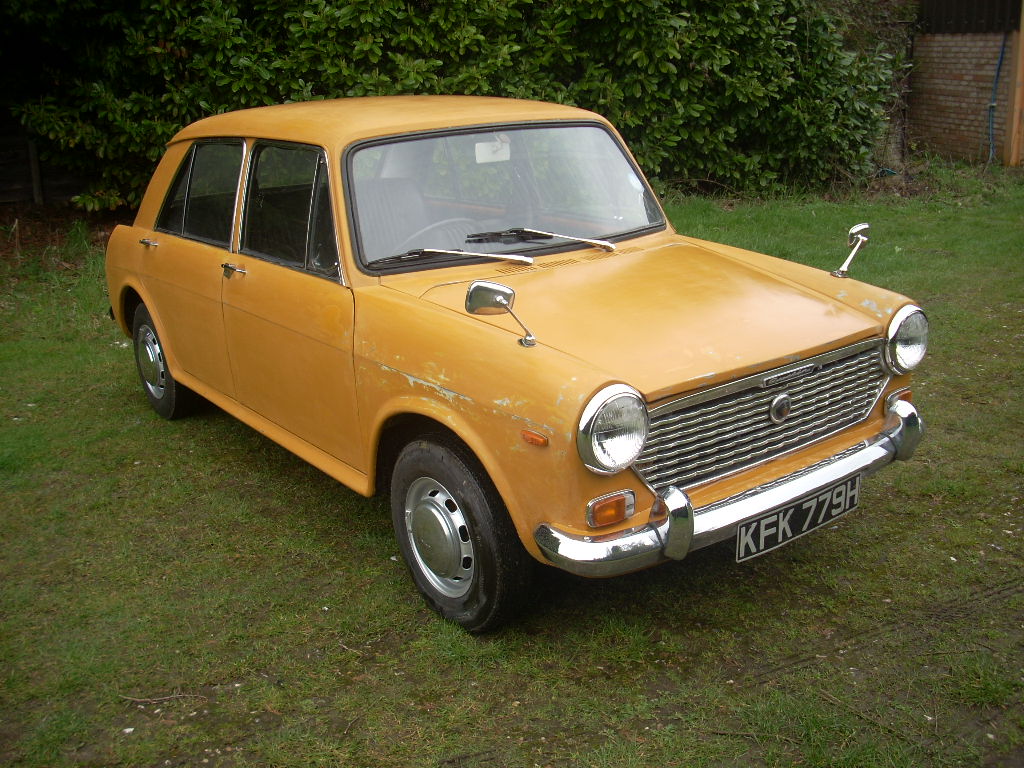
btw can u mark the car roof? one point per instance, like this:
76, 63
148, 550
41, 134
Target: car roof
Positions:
339, 122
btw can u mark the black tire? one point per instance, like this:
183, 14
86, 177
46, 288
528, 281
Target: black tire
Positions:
167, 397
456, 537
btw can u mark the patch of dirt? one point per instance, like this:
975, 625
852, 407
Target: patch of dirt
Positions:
905, 631
38, 229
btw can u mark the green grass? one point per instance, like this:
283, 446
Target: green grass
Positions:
174, 592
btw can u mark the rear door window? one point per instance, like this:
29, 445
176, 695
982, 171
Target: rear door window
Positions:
200, 204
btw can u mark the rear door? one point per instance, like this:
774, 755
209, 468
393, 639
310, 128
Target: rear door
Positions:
181, 267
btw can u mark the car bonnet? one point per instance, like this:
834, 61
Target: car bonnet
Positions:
674, 316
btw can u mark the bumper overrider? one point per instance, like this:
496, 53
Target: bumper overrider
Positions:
684, 528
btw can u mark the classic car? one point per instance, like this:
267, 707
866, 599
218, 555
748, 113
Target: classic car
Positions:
477, 306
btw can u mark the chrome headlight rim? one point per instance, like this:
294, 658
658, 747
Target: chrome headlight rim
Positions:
895, 342
585, 435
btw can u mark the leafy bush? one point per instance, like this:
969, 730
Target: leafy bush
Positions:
750, 94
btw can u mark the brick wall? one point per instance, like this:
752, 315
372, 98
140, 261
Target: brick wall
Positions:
950, 92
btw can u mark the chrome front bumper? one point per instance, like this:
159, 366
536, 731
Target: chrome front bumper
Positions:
685, 528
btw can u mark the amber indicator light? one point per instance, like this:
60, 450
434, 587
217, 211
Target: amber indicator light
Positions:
608, 511
534, 438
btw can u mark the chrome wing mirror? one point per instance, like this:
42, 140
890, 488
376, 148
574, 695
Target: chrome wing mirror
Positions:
487, 298
858, 237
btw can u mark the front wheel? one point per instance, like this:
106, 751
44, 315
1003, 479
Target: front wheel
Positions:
457, 540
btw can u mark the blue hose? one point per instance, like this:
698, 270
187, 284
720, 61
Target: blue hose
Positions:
992, 103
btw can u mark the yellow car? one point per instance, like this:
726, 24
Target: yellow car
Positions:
477, 306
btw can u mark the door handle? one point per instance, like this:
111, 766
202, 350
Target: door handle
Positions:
231, 268
149, 243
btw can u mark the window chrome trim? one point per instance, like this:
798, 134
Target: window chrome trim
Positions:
333, 183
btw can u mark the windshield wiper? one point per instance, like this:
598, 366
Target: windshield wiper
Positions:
519, 234
419, 253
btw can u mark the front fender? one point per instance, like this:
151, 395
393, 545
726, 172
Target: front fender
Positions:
479, 382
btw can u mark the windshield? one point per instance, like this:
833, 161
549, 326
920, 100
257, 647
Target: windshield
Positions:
448, 193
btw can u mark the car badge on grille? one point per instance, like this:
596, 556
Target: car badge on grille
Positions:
780, 408
790, 375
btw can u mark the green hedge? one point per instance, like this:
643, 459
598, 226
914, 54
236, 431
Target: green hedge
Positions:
750, 94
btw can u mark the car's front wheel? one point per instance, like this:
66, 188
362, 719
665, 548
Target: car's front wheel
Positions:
168, 398
456, 537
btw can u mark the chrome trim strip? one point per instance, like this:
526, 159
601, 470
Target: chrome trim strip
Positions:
685, 529
763, 379
241, 193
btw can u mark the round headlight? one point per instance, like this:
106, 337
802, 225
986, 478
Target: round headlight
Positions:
907, 339
613, 429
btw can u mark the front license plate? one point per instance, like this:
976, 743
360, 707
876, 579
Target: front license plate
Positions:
772, 530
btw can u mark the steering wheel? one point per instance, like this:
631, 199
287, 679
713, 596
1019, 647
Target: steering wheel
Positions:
439, 234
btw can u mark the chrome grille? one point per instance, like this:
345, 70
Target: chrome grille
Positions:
728, 428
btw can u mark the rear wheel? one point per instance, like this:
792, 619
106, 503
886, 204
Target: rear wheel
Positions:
460, 546
167, 397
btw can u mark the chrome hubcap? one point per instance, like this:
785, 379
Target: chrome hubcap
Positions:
439, 536
151, 363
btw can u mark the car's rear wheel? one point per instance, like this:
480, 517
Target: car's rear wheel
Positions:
460, 546
167, 397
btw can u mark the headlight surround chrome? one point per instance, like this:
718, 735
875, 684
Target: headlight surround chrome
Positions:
612, 430
906, 339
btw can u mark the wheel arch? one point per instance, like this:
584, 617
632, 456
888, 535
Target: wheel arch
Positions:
400, 428
128, 302
129, 299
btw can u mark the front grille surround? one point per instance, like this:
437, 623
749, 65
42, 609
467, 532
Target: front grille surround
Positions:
702, 437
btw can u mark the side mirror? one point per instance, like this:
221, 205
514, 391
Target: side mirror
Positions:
486, 298
858, 234
856, 238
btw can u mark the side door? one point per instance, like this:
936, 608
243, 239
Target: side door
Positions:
182, 261
288, 317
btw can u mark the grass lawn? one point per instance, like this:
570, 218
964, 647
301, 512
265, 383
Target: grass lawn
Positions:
187, 593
